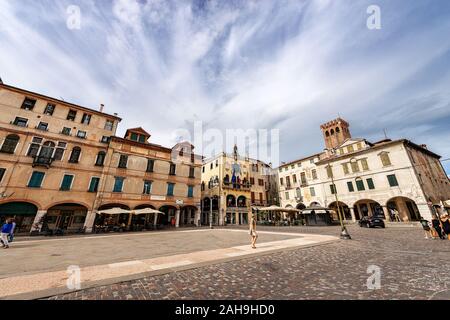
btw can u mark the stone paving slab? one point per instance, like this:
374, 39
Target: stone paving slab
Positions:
39, 284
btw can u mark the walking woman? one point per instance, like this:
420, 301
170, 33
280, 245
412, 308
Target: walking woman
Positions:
253, 233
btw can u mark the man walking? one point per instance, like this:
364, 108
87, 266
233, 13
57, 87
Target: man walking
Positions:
5, 232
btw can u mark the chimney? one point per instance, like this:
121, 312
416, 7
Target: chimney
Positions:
424, 146
102, 107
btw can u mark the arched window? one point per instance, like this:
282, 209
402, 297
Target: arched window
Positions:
10, 144
327, 134
332, 131
338, 130
47, 150
100, 159
75, 155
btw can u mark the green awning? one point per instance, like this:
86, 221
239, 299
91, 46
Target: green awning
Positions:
18, 209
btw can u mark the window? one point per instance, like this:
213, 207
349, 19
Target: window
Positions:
75, 155
345, 167
142, 138
109, 125
350, 149
21, 122
49, 109
190, 191
42, 126
10, 144
191, 172
364, 164
47, 150
2, 173
355, 166
170, 188
286, 194
288, 182
66, 183
392, 180
71, 115
147, 187
312, 191
172, 169
93, 185
385, 160
282, 181
28, 104
150, 165
66, 131
134, 136
118, 184
35, 145
100, 161
314, 174
59, 152
350, 186
36, 179
360, 185
303, 178
86, 119
333, 188
123, 161
81, 134
105, 139
359, 146
370, 184
261, 182
294, 178
329, 172
203, 169
212, 166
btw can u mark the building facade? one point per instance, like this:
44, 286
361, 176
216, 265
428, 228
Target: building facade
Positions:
60, 163
399, 179
232, 185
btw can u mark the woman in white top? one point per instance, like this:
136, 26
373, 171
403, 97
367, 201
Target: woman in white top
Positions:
253, 233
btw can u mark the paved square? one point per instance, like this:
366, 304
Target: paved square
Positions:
411, 268
36, 268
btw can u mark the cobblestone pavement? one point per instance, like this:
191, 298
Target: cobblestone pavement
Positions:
412, 267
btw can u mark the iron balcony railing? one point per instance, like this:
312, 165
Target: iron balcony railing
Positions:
42, 161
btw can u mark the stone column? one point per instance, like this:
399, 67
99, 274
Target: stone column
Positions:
90, 220
177, 218
386, 213
197, 217
38, 220
155, 220
352, 212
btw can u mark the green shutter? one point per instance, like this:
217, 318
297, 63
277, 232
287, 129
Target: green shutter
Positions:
392, 180
370, 184
67, 182
360, 185
93, 187
190, 192
36, 179
350, 186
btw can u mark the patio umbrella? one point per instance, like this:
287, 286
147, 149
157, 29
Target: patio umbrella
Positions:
279, 209
114, 211
146, 211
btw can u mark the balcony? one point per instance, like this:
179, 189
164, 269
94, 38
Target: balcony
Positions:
237, 186
40, 161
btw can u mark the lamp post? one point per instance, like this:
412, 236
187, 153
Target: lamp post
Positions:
344, 233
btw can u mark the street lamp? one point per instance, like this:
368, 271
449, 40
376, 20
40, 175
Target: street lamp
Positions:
344, 233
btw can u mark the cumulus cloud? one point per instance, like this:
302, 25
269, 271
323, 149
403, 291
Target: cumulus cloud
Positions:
289, 65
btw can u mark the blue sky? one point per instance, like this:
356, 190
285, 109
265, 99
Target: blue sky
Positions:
290, 65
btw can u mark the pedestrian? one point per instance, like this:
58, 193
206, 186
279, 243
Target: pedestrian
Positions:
437, 227
5, 232
11, 235
446, 224
253, 233
426, 227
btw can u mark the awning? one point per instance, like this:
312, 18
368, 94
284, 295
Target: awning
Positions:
18, 209
114, 211
146, 211
278, 209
